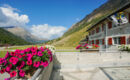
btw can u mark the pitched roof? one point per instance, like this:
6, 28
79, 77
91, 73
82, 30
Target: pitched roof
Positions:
127, 5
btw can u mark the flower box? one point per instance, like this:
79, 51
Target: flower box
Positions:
26, 64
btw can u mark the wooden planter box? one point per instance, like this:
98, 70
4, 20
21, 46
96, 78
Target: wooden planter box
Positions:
40, 74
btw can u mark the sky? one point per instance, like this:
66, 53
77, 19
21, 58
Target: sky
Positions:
45, 18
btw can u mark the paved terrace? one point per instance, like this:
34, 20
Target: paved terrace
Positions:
89, 66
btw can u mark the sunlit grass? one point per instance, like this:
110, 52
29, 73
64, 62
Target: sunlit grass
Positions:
3, 53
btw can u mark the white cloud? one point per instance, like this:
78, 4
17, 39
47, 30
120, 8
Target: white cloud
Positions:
10, 17
47, 31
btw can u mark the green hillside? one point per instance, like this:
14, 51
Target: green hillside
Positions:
78, 31
8, 38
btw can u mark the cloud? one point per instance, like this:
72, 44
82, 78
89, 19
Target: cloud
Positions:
10, 17
47, 31
77, 19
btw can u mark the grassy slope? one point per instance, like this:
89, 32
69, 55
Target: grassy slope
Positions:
71, 40
8, 38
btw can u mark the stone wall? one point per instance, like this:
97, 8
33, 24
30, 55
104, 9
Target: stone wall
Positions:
81, 61
46, 73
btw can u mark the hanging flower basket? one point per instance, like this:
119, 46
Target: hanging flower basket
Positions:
25, 64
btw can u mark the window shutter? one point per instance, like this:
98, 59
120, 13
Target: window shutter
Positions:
96, 30
109, 25
110, 41
123, 40
92, 41
129, 40
103, 41
97, 41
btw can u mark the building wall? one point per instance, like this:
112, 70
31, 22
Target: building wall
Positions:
110, 32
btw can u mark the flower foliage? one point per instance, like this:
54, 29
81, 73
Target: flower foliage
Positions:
86, 46
20, 61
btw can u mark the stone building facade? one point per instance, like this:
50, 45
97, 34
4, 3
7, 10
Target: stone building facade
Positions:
108, 34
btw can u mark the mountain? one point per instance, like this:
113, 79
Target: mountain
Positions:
77, 32
23, 33
10, 39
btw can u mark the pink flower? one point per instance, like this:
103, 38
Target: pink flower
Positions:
34, 53
49, 52
21, 65
39, 53
4, 61
13, 54
78, 46
10, 65
21, 73
29, 62
22, 51
27, 50
17, 51
19, 56
1, 61
50, 59
36, 64
13, 60
13, 74
7, 55
34, 49
41, 48
45, 64
29, 56
7, 78
8, 69
87, 47
2, 71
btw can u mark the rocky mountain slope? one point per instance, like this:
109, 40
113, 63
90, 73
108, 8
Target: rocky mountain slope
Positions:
78, 31
23, 33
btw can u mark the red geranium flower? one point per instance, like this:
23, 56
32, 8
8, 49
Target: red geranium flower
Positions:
13, 74
13, 60
13, 54
2, 71
29, 62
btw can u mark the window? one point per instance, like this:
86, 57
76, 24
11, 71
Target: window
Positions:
100, 41
97, 41
99, 29
119, 40
109, 25
103, 27
93, 32
103, 41
115, 41
110, 41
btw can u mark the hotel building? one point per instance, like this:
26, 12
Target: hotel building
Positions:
111, 31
